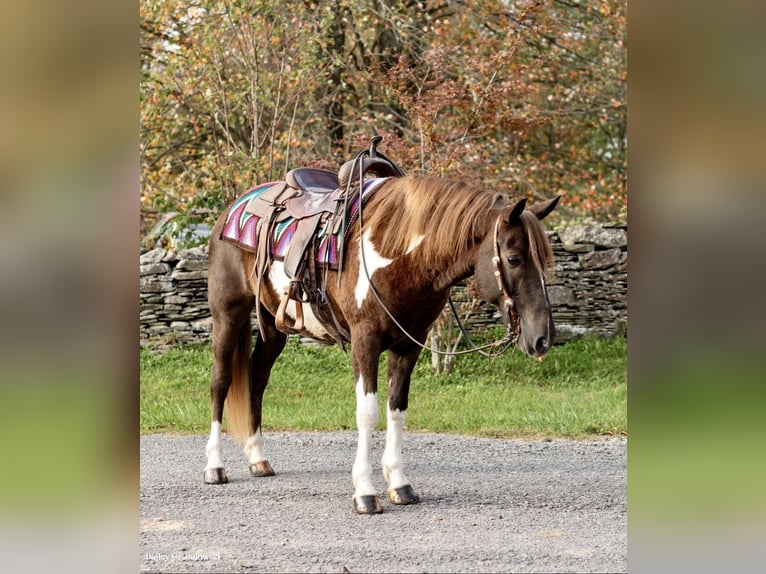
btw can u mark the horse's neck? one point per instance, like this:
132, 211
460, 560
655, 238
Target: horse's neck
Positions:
456, 271
464, 266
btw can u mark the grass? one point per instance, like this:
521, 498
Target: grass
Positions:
579, 391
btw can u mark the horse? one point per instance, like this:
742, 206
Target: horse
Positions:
420, 236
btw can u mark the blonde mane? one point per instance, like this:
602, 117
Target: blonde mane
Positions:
451, 215
540, 250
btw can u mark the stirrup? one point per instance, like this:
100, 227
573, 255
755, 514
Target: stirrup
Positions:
279, 319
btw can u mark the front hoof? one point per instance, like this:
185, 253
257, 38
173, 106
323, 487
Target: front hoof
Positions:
262, 468
403, 495
216, 476
367, 504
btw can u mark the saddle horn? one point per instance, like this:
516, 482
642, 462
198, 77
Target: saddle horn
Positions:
374, 145
375, 163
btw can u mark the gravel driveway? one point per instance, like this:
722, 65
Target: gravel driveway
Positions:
488, 505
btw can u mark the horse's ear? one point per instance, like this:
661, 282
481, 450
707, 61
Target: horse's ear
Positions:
542, 210
513, 212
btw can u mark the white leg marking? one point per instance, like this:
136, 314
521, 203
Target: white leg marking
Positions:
392, 455
374, 262
213, 448
254, 447
280, 281
366, 419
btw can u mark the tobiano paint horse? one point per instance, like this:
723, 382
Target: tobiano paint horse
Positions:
420, 236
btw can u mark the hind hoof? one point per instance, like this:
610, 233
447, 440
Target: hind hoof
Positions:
262, 468
367, 504
403, 495
216, 476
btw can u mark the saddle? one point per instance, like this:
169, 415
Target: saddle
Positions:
318, 201
319, 189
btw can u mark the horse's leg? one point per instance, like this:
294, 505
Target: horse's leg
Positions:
401, 362
365, 351
265, 353
231, 333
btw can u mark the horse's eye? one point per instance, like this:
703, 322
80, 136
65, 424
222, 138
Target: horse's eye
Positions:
514, 261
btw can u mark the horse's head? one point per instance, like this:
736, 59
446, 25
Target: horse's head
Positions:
511, 269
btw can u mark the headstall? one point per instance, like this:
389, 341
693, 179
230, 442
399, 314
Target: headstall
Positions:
510, 317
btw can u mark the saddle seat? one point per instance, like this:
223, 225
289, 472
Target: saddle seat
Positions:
317, 192
312, 180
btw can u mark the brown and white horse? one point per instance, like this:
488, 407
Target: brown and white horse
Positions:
420, 236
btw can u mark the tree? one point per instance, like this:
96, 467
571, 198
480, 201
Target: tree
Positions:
528, 97
227, 97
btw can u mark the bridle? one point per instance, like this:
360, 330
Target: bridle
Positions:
510, 317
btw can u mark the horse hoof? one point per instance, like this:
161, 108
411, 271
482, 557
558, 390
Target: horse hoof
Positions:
216, 476
367, 504
403, 495
262, 468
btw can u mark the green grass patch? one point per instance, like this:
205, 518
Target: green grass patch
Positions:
579, 391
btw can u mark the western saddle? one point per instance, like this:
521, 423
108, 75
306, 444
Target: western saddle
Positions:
317, 199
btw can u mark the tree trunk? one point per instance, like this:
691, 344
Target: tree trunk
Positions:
335, 92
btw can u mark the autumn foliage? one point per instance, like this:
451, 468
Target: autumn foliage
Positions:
528, 97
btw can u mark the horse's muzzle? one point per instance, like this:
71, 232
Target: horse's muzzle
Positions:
538, 344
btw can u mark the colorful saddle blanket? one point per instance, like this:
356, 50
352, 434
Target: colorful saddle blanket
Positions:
242, 227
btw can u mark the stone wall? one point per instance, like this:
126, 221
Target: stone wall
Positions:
174, 297
588, 292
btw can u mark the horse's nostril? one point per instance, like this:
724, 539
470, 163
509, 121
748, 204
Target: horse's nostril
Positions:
541, 345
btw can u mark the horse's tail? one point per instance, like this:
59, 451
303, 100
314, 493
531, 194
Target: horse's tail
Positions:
238, 398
